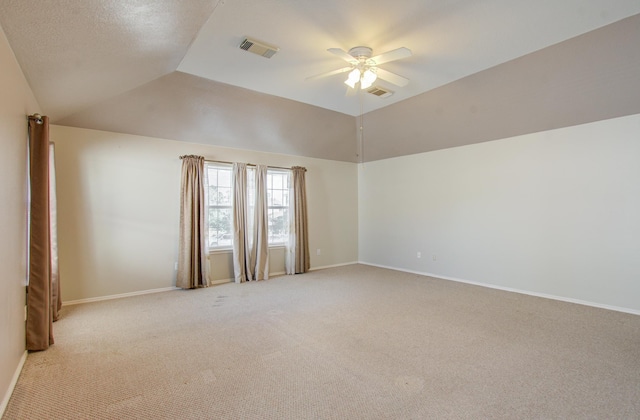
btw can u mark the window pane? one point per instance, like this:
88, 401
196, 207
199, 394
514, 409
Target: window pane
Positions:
278, 201
277, 198
224, 196
219, 227
219, 196
224, 178
212, 175
278, 225
277, 181
213, 195
219, 180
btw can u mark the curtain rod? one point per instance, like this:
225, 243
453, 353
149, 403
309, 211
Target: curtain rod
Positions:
248, 164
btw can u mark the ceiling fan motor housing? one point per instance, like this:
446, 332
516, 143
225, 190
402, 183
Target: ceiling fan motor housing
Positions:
360, 53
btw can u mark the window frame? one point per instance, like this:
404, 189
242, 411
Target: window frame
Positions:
284, 207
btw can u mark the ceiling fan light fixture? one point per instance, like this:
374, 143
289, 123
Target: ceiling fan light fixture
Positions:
353, 78
363, 69
368, 77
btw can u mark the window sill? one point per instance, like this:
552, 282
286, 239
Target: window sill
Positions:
230, 250
220, 251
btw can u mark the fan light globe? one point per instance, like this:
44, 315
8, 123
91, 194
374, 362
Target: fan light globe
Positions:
353, 78
368, 78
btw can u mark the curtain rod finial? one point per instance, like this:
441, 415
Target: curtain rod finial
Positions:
38, 118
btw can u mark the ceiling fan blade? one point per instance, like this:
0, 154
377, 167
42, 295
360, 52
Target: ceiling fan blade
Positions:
343, 54
392, 55
392, 77
329, 73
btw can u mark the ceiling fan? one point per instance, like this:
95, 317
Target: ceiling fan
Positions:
363, 68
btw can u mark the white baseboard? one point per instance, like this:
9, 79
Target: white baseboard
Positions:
282, 273
509, 289
12, 385
118, 296
221, 281
332, 266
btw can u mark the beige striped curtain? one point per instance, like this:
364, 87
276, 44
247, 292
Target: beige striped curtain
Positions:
241, 245
192, 254
260, 245
250, 237
297, 253
43, 290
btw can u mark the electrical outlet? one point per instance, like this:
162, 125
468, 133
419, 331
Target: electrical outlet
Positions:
419, 254
434, 257
175, 266
318, 251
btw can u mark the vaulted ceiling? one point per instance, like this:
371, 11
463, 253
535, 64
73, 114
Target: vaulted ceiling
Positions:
480, 70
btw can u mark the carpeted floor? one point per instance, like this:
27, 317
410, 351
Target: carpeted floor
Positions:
353, 342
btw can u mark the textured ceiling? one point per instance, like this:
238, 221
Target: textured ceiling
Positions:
78, 53
480, 70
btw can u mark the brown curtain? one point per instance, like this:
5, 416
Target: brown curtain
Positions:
192, 256
43, 290
297, 259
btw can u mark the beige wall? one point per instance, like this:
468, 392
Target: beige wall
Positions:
16, 102
553, 213
118, 198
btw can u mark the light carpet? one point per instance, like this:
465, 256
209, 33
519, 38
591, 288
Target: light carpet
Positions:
353, 342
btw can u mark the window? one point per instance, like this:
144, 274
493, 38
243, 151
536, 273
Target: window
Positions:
220, 202
278, 206
219, 196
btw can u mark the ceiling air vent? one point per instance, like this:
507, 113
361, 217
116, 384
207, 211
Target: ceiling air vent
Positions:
379, 91
258, 47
